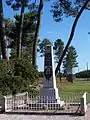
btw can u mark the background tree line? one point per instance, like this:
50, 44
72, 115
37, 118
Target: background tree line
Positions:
83, 74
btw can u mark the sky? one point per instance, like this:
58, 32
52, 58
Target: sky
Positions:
53, 30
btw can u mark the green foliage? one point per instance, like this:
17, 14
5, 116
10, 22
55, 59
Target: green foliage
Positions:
27, 35
16, 4
79, 3
41, 74
11, 29
58, 49
24, 28
83, 74
70, 60
16, 76
61, 8
42, 45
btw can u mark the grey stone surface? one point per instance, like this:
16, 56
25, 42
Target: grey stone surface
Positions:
43, 117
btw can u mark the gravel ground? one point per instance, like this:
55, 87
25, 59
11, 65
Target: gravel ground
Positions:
44, 117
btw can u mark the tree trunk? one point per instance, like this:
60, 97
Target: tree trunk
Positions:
4, 49
60, 75
37, 33
71, 36
19, 42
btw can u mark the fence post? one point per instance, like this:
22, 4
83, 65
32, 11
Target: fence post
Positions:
26, 97
83, 104
2, 103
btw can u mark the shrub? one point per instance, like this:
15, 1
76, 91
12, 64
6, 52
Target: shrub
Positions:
16, 76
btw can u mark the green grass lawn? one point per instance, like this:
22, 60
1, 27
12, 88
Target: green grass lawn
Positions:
75, 88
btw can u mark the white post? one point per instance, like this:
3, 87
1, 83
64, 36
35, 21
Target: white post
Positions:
26, 99
5, 106
83, 104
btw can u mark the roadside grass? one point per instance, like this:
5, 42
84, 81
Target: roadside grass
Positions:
75, 89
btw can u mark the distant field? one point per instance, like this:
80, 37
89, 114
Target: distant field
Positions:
77, 87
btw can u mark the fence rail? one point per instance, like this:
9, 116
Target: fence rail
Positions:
33, 102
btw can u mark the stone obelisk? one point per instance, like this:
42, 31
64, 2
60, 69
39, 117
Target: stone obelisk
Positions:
49, 90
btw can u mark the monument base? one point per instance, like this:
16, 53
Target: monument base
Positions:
50, 95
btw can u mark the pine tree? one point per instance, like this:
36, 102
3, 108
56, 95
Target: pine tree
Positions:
42, 45
70, 60
16, 4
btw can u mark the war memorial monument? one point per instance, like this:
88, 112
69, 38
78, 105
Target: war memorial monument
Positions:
50, 90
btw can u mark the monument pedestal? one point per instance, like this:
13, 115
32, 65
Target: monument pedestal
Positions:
50, 95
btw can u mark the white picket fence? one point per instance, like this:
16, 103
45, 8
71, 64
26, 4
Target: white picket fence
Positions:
35, 103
